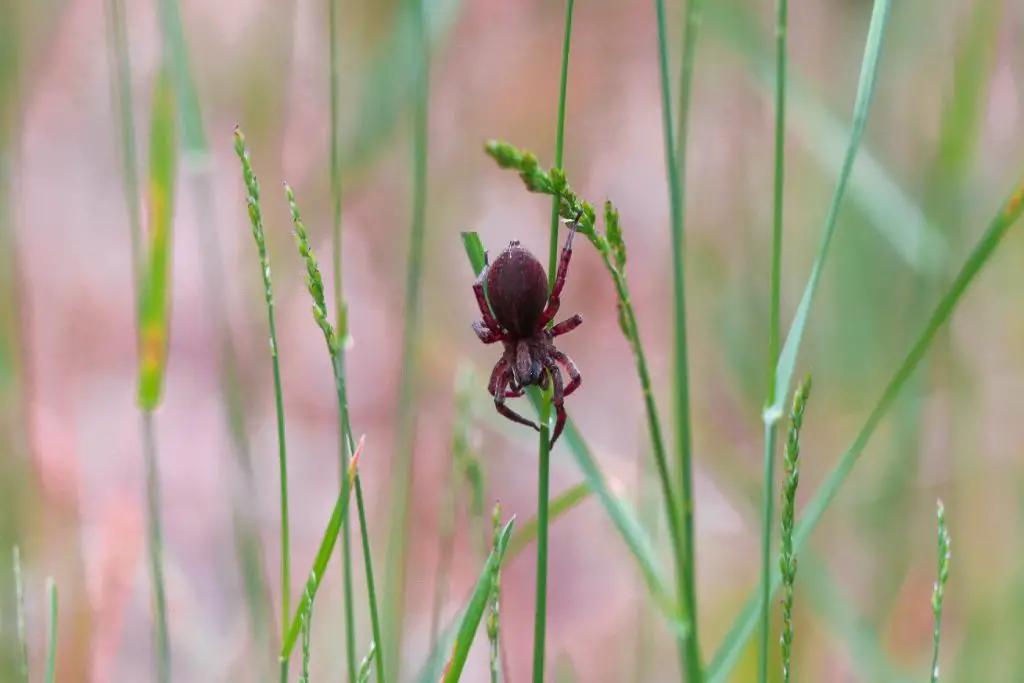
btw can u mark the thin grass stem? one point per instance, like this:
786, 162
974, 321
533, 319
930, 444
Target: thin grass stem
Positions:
544, 453
675, 158
259, 236
341, 313
774, 315
156, 547
51, 632
394, 597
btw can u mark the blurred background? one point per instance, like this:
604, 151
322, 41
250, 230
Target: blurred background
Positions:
943, 147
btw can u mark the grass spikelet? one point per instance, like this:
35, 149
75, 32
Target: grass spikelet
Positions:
787, 556
939, 590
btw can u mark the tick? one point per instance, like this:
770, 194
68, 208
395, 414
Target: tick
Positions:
518, 316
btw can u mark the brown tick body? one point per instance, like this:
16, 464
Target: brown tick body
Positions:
518, 316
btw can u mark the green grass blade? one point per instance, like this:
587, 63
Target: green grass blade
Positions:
154, 320
559, 506
51, 632
155, 304
398, 532
193, 136
323, 557
1011, 210
252, 186
865, 93
888, 208
540, 611
476, 607
774, 315
675, 163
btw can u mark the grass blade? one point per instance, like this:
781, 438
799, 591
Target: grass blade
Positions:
476, 607
256, 219
323, 557
865, 92
787, 558
51, 632
398, 532
154, 320
675, 160
540, 611
1011, 210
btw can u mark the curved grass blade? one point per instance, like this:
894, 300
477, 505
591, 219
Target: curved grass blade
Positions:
476, 607
732, 645
323, 557
865, 92
900, 221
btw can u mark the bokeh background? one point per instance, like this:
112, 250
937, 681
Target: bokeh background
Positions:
942, 149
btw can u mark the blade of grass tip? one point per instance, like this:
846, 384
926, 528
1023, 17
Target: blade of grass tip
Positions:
732, 645
862, 104
51, 632
154, 331
120, 68
774, 308
364, 666
476, 607
259, 236
19, 596
394, 594
940, 587
323, 557
689, 647
341, 316
618, 511
544, 448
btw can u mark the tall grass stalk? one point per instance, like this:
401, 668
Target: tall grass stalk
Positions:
350, 474
394, 596
259, 236
787, 557
774, 315
341, 311
540, 611
940, 587
675, 159
51, 632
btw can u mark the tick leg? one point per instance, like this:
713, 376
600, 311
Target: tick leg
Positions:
554, 301
557, 400
575, 379
500, 387
567, 325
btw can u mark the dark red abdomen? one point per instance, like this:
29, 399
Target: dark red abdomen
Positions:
517, 289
